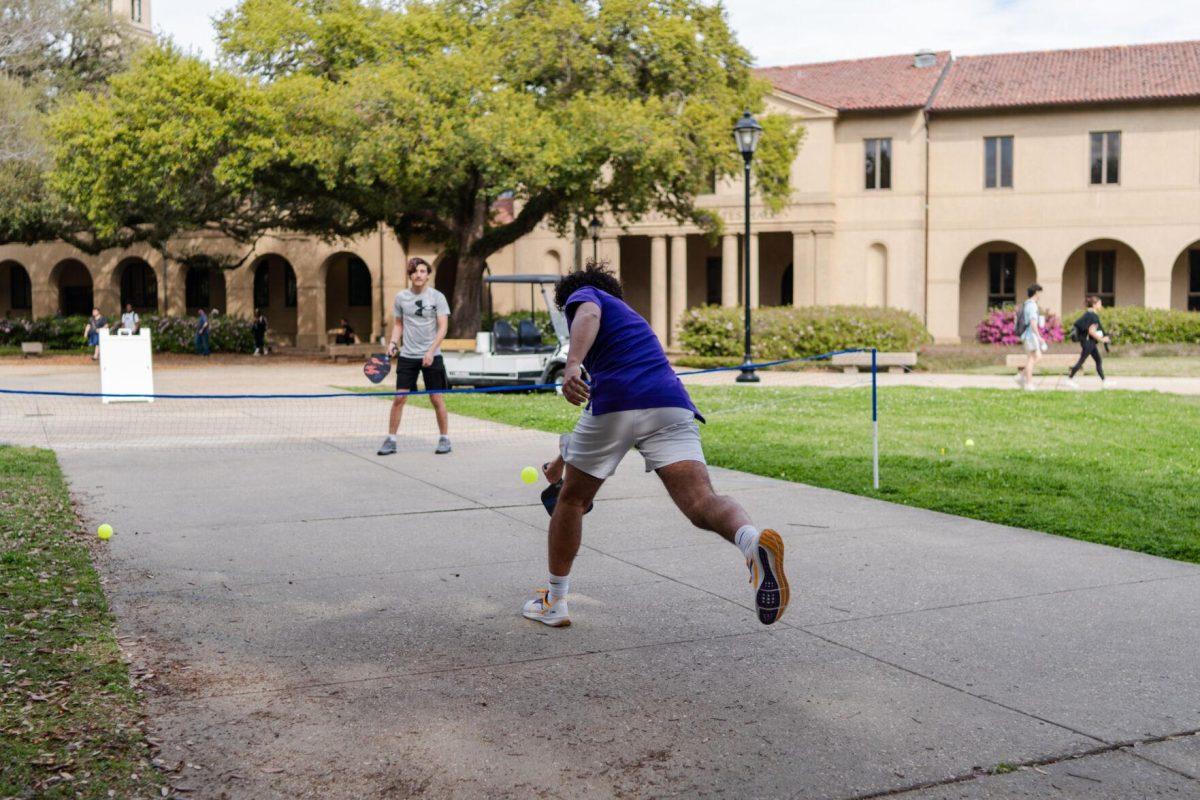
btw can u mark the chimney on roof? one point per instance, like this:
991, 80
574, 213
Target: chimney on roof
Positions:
924, 58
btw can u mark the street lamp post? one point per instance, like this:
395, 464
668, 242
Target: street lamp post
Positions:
746, 133
594, 229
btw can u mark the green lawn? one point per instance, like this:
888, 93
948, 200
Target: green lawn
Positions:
1120, 468
68, 714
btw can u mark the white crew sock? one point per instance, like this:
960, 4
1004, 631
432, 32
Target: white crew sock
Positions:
391, 437
559, 586
746, 539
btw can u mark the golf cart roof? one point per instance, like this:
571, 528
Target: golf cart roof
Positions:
522, 278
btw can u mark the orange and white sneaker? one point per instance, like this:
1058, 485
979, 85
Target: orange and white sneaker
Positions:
771, 592
541, 609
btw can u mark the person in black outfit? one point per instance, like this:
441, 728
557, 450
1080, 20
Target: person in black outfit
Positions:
345, 333
1090, 336
259, 329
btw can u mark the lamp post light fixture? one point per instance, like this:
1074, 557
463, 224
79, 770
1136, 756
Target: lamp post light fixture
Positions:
594, 228
746, 133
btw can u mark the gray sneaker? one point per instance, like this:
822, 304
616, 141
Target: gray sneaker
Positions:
387, 448
443, 445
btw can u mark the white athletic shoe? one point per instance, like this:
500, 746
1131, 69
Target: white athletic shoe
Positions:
1029, 387
1070, 383
771, 592
540, 609
1019, 378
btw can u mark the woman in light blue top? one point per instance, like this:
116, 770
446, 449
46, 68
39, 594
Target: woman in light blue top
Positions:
1031, 336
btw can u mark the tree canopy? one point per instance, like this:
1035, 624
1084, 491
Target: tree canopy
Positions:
48, 49
331, 116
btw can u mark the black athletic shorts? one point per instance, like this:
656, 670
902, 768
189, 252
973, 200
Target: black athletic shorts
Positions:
407, 370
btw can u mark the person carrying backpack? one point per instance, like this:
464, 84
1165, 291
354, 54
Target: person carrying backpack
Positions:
1028, 330
1090, 335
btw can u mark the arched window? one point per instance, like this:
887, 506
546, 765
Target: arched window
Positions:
358, 282
262, 286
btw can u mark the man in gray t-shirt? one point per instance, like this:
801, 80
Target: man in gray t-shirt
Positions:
421, 316
420, 312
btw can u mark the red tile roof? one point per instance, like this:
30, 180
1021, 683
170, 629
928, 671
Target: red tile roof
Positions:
1070, 77
866, 84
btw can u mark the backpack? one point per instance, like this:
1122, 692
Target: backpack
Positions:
1022, 325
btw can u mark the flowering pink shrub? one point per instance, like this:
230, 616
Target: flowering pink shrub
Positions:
1000, 327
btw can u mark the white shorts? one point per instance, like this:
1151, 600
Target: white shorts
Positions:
663, 436
1032, 345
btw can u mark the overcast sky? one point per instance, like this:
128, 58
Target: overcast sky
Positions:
798, 31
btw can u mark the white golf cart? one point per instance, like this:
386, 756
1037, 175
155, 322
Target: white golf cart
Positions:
507, 355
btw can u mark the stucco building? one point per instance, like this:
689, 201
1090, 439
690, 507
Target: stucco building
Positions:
928, 183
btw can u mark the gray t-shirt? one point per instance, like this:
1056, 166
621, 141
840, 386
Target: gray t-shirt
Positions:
419, 313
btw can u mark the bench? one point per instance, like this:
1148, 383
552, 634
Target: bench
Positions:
894, 362
364, 350
360, 351
1063, 360
32, 349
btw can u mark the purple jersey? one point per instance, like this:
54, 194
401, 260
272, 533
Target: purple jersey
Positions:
627, 365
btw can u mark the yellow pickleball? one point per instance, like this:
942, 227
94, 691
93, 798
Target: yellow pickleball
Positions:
104, 531
528, 475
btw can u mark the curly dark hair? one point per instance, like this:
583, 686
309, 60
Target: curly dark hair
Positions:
594, 273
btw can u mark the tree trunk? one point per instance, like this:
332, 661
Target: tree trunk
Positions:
468, 273
468, 297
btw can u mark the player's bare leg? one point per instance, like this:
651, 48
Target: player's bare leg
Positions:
443, 416
566, 533
397, 411
690, 487
389, 444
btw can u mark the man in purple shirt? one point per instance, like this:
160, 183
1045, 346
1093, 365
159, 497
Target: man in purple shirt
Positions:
633, 398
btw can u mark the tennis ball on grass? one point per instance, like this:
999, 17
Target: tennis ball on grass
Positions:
969, 442
104, 531
528, 475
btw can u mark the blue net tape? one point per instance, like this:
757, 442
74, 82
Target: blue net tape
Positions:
526, 387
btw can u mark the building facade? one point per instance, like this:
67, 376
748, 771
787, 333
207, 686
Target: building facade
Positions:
937, 185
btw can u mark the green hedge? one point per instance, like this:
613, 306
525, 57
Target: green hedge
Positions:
786, 332
1135, 325
171, 334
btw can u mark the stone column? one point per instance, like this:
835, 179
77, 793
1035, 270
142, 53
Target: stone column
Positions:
729, 270
239, 292
106, 292
822, 280
679, 267
610, 251
754, 270
172, 289
804, 246
1052, 297
1158, 292
658, 287
310, 315
45, 296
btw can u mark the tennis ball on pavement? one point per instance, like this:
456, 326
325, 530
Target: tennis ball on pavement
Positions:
969, 442
528, 475
104, 531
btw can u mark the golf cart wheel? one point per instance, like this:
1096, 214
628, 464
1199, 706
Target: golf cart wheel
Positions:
556, 377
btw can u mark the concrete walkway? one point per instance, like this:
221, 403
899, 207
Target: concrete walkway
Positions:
324, 623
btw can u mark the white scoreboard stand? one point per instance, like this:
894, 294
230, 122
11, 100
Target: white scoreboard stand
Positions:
125, 366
